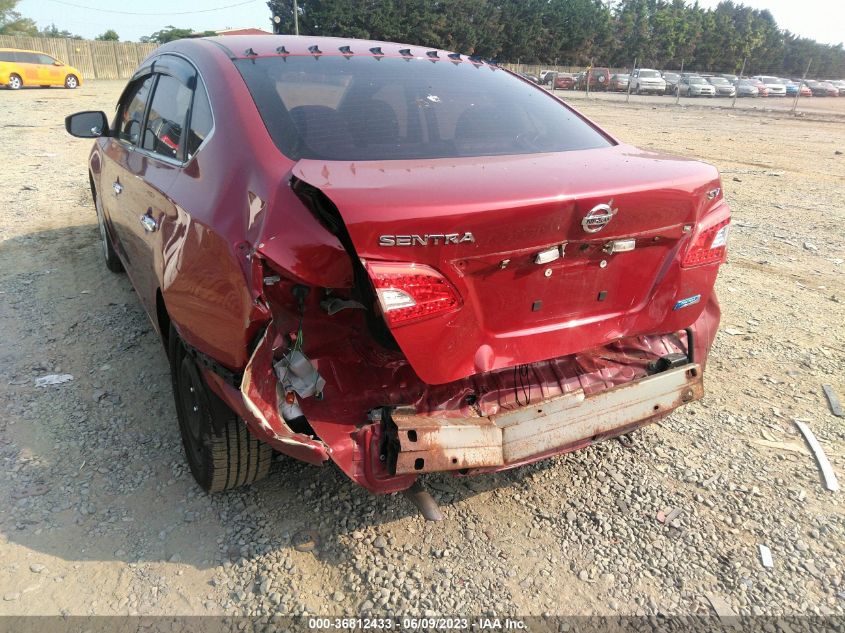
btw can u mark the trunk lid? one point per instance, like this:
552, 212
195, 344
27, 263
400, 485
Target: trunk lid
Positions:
513, 309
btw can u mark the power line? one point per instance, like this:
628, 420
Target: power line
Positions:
79, 6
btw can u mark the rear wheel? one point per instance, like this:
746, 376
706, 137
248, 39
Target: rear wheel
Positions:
220, 451
15, 82
71, 82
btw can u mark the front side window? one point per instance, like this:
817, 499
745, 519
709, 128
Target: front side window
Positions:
130, 115
167, 118
362, 108
45, 59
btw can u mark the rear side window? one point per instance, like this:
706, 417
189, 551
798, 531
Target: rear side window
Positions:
7, 56
130, 116
167, 118
201, 120
362, 108
27, 58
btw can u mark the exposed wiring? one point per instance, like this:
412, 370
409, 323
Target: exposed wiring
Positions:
522, 384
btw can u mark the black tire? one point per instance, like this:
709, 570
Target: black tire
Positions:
71, 82
220, 451
15, 81
113, 262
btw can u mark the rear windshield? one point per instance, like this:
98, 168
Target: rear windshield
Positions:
363, 108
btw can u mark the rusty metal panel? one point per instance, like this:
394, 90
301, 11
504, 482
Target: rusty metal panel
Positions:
429, 444
559, 424
435, 444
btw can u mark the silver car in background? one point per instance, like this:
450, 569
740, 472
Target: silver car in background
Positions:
776, 88
695, 86
724, 88
747, 88
647, 80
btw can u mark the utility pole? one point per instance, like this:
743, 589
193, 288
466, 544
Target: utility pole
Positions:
798, 94
741, 73
587, 77
678, 87
630, 76
295, 17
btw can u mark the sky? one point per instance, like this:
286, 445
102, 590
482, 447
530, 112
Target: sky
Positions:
822, 20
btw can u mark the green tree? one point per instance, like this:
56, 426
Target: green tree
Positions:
12, 23
54, 31
109, 36
170, 33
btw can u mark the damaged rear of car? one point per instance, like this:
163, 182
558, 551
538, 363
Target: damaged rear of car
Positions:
416, 262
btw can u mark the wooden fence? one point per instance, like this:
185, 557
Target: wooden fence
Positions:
94, 59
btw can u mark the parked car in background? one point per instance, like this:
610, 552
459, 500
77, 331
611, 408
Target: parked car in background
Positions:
791, 87
762, 88
747, 88
830, 89
840, 85
822, 88
369, 276
724, 88
804, 90
530, 77
732, 78
546, 77
619, 83
19, 68
565, 81
695, 86
776, 88
671, 79
598, 78
647, 81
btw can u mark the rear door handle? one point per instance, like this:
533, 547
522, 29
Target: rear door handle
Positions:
118, 188
148, 222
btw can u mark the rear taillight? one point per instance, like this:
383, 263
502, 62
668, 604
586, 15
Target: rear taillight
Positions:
709, 245
408, 292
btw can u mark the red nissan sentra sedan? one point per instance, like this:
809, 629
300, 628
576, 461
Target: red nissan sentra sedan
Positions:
399, 259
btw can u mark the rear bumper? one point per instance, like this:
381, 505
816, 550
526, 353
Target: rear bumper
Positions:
432, 444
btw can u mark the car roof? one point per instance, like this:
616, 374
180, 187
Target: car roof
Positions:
26, 50
251, 46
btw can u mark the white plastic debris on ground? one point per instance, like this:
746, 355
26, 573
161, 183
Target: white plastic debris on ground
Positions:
52, 379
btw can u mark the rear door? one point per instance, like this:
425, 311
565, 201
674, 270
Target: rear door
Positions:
29, 68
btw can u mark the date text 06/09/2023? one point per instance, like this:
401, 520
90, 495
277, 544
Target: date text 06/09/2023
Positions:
417, 624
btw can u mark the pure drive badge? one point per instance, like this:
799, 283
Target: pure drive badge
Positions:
683, 303
435, 239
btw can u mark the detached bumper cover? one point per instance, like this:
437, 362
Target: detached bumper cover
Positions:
431, 444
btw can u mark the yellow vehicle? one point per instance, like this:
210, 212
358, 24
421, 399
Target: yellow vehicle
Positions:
20, 68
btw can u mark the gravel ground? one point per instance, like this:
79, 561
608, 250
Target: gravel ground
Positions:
99, 514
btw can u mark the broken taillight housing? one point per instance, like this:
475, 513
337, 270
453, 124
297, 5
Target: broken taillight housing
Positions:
408, 292
709, 245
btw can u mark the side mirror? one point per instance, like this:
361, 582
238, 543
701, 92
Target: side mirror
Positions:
57, 63
88, 124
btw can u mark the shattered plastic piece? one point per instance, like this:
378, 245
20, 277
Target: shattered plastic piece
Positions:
821, 459
766, 556
722, 609
296, 373
833, 401
52, 379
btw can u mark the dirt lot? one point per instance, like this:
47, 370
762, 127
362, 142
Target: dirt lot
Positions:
99, 515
